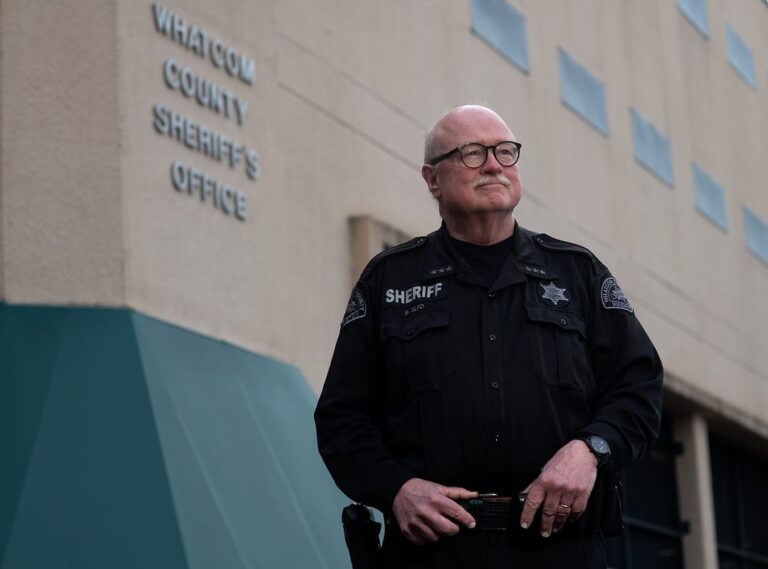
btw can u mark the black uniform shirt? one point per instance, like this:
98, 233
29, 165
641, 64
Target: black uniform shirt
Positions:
486, 260
438, 376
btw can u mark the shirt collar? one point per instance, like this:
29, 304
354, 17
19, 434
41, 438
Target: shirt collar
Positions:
524, 260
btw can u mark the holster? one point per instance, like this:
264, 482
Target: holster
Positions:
604, 511
361, 532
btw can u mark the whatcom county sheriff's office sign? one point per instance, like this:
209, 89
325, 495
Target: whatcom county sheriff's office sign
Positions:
189, 83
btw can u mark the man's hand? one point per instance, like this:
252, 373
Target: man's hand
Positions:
426, 511
562, 489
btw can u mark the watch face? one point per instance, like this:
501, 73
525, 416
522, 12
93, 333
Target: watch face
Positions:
599, 445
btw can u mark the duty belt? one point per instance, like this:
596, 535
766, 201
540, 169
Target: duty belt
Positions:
495, 513
502, 513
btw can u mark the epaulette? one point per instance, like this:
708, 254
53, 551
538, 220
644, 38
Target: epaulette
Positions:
397, 249
553, 244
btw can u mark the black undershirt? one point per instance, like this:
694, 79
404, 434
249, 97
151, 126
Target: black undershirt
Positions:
487, 260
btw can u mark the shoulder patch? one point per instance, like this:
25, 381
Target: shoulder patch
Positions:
356, 307
558, 245
613, 298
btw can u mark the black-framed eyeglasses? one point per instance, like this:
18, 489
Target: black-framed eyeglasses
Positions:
474, 154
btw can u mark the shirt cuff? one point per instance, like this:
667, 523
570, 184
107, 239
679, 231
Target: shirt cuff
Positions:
619, 453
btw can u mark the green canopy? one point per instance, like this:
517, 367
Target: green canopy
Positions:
127, 442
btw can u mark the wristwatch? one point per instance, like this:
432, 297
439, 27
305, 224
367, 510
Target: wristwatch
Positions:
598, 446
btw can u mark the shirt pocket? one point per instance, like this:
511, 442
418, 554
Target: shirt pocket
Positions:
416, 352
558, 347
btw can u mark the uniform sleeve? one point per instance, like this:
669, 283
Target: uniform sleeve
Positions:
349, 412
628, 373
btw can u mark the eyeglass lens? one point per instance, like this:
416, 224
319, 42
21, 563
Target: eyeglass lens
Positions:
474, 155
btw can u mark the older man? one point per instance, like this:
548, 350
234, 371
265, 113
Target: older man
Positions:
481, 363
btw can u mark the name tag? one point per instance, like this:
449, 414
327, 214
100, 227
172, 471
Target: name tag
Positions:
418, 292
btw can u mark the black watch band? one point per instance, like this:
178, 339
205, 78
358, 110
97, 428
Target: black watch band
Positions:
598, 446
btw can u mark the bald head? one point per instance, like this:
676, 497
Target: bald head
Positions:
450, 130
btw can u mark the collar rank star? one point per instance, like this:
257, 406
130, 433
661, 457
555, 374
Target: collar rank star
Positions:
441, 270
535, 271
554, 295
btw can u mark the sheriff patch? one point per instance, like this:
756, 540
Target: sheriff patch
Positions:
356, 308
418, 292
613, 298
553, 295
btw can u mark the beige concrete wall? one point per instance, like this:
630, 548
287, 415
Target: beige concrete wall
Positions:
277, 283
61, 195
343, 95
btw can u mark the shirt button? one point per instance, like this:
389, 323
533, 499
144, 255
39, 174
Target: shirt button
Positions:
495, 384
496, 437
492, 337
563, 322
491, 294
409, 332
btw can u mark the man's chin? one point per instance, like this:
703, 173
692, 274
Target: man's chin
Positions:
497, 206
500, 198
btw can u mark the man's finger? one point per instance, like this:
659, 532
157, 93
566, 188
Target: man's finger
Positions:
413, 538
531, 505
562, 515
455, 511
548, 512
564, 511
425, 533
457, 493
444, 526
411, 535
462, 516
579, 505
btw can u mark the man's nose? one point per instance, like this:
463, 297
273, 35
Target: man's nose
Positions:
491, 165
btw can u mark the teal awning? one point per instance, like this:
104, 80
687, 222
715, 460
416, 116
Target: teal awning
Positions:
127, 442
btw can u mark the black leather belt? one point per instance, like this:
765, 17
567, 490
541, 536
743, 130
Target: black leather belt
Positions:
495, 513
502, 513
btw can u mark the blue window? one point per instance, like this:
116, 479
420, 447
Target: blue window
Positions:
756, 230
740, 56
710, 197
652, 149
696, 12
583, 92
503, 27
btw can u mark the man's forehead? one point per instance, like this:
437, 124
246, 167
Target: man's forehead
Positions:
472, 123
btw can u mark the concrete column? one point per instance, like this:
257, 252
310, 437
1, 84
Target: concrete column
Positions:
370, 237
694, 483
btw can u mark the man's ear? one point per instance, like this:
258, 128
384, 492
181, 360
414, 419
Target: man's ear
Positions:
428, 173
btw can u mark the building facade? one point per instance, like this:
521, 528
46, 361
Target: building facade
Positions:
189, 189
